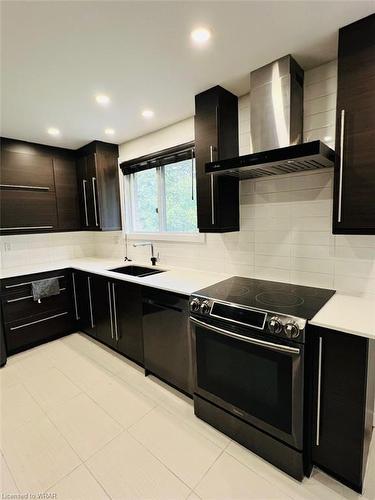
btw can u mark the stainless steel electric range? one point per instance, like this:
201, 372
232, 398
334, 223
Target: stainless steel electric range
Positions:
249, 350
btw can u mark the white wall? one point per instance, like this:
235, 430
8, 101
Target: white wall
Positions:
285, 220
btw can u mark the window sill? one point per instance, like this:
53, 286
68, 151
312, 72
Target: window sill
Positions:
178, 237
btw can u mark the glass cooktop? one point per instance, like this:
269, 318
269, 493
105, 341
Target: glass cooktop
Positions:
283, 298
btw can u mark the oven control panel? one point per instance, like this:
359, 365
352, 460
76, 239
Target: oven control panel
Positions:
266, 322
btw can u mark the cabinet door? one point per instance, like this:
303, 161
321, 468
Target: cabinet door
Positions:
92, 193
127, 300
216, 136
84, 306
27, 210
102, 299
66, 194
27, 170
354, 189
107, 189
339, 395
84, 173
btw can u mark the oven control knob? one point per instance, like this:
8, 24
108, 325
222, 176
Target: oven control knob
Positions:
291, 329
275, 325
194, 305
205, 307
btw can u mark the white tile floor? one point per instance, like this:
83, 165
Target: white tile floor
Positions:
79, 421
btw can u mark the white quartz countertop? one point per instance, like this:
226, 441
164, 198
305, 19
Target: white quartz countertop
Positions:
174, 279
349, 314
344, 313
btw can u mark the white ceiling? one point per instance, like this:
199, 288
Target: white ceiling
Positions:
56, 56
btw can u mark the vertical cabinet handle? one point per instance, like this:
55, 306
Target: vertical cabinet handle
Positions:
342, 131
212, 199
212, 149
75, 295
318, 402
90, 302
110, 307
84, 182
93, 180
115, 311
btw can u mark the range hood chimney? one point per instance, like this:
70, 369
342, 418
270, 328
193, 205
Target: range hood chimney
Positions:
276, 105
276, 127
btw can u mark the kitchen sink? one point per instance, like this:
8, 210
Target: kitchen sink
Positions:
139, 271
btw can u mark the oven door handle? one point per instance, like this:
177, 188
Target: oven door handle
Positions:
250, 340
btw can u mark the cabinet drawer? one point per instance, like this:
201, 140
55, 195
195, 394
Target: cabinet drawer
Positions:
22, 334
25, 210
21, 285
19, 306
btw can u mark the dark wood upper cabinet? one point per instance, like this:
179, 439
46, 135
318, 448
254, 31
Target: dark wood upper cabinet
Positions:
354, 180
45, 188
26, 170
216, 136
27, 188
343, 403
99, 186
66, 194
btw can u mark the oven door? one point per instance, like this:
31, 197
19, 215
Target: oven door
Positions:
256, 380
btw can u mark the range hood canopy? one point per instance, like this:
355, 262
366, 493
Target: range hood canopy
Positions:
306, 156
276, 127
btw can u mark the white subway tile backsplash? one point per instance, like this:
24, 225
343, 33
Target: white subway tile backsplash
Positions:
277, 236
322, 266
320, 88
277, 261
319, 105
320, 120
50, 247
321, 72
280, 249
325, 134
312, 251
309, 238
312, 279
271, 273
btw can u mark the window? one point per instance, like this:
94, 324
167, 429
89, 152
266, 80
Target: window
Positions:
162, 199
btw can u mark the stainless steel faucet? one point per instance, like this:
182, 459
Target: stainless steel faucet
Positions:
148, 243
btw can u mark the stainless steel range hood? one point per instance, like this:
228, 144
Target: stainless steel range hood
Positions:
276, 127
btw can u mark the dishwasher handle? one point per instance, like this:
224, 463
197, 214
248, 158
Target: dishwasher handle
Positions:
162, 306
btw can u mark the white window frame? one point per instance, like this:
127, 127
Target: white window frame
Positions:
129, 208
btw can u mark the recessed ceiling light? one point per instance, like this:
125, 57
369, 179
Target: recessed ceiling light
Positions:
200, 35
53, 131
102, 99
147, 113
109, 131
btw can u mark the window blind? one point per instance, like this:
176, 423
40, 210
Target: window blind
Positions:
164, 157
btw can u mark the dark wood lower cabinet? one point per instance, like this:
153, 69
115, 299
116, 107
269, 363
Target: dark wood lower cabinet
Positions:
27, 322
127, 302
83, 302
102, 305
343, 403
118, 316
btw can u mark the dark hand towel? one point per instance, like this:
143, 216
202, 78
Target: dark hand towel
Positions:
45, 288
